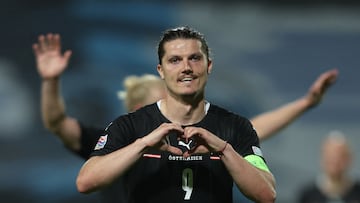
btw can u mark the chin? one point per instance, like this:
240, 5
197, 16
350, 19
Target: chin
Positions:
190, 95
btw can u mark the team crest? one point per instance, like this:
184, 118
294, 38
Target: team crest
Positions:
101, 142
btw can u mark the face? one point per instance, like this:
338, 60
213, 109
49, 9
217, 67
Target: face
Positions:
335, 158
185, 67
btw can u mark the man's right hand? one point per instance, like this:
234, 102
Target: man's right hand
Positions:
50, 61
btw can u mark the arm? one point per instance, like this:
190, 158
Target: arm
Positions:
269, 123
256, 184
50, 65
100, 171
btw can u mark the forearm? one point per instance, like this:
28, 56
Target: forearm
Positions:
256, 184
54, 116
52, 104
269, 123
100, 171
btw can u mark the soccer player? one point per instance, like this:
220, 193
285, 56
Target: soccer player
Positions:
139, 91
147, 89
182, 148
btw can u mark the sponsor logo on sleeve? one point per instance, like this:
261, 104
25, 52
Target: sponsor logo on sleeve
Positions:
101, 142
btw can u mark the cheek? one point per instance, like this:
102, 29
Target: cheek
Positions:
336, 163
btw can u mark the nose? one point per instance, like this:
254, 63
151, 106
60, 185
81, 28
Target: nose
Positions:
187, 66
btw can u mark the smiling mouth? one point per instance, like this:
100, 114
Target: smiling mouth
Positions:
187, 79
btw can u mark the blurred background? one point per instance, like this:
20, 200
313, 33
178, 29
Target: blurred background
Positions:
266, 53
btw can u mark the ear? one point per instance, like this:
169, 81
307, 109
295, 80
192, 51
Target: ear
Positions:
160, 71
209, 68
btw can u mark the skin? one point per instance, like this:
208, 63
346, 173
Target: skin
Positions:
284, 115
336, 162
186, 79
184, 103
51, 63
191, 63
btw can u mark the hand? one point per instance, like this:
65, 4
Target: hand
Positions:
159, 139
49, 60
319, 87
205, 141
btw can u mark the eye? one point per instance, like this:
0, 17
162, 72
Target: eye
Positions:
174, 60
196, 57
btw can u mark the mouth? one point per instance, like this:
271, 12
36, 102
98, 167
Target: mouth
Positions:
187, 79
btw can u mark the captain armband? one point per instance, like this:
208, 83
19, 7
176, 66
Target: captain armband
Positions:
257, 161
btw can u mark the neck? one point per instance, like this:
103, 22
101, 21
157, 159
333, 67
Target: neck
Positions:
183, 112
335, 187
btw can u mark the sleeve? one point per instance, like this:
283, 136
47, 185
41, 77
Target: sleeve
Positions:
116, 135
248, 145
246, 139
88, 139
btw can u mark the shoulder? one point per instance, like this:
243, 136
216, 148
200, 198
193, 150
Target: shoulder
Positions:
226, 114
147, 110
357, 185
309, 189
146, 116
229, 122
215, 109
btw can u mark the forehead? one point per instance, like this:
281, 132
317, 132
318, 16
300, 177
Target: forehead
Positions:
334, 146
182, 46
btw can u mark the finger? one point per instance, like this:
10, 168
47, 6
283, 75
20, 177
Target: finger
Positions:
177, 127
41, 43
323, 82
201, 149
174, 150
67, 55
36, 49
187, 154
327, 79
171, 126
57, 42
50, 41
189, 132
332, 77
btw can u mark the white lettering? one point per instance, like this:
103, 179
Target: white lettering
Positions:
181, 158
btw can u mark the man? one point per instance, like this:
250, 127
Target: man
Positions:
81, 138
181, 148
334, 184
51, 63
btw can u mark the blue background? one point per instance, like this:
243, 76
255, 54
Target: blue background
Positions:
266, 53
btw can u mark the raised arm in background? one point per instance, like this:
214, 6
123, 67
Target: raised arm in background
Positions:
271, 122
51, 63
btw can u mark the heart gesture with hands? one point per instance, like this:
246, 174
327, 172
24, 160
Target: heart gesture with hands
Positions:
204, 141
159, 138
